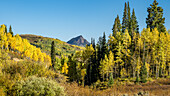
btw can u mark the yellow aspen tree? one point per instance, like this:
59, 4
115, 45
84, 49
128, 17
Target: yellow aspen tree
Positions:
111, 62
65, 68
18, 43
167, 51
41, 57
162, 48
5, 42
123, 73
147, 68
133, 59
155, 38
103, 67
9, 36
126, 43
27, 53
83, 74
47, 60
146, 37
13, 43
112, 42
31, 49
25, 44
34, 56
2, 35
119, 62
138, 63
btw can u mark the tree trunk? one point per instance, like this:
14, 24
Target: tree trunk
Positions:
156, 71
133, 72
143, 53
169, 69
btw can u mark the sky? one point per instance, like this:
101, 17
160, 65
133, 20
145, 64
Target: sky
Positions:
65, 19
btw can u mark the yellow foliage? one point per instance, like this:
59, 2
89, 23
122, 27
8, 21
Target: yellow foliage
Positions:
22, 46
123, 72
65, 68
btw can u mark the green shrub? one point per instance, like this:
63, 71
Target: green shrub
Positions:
149, 79
37, 86
111, 81
143, 74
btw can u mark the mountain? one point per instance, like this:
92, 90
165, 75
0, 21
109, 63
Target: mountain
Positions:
79, 40
44, 43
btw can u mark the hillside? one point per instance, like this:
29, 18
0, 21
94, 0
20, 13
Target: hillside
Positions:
79, 40
45, 44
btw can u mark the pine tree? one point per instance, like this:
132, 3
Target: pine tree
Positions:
129, 18
103, 46
155, 17
143, 74
134, 24
98, 56
138, 50
10, 31
5, 29
117, 26
125, 19
119, 62
94, 74
91, 68
53, 54
126, 43
111, 81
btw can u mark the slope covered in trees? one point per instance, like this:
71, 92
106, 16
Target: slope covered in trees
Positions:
44, 43
21, 46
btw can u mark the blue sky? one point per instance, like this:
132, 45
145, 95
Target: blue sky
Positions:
65, 19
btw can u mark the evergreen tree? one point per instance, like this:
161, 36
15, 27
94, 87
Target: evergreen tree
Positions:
98, 55
111, 81
94, 75
91, 68
143, 74
53, 54
98, 49
155, 17
128, 18
5, 29
10, 31
103, 46
134, 24
117, 26
125, 19
72, 71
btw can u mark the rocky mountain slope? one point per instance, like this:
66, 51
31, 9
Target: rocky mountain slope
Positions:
79, 40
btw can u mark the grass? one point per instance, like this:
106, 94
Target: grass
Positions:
159, 87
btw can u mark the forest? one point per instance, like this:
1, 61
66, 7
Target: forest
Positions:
129, 62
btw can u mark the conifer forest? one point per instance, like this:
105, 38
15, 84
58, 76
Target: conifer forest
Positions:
128, 62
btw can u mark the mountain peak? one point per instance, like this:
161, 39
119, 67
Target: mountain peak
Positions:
80, 36
79, 40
